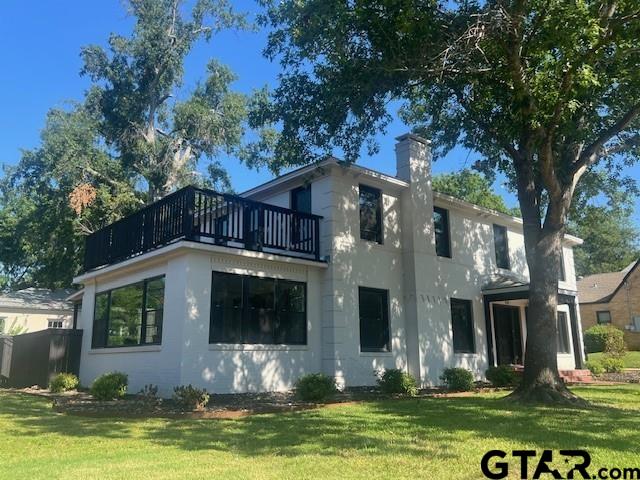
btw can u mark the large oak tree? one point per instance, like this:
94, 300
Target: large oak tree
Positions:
543, 89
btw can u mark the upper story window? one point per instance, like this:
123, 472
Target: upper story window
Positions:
301, 199
501, 243
562, 328
562, 273
603, 317
54, 324
441, 227
462, 326
130, 315
370, 214
255, 310
374, 320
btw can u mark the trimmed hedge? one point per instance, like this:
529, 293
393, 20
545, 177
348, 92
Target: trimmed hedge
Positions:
63, 382
395, 380
457, 379
315, 387
598, 337
110, 386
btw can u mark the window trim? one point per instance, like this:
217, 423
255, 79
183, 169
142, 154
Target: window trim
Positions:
143, 312
388, 347
243, 345
469, 304
380, 234
292, 196
506, 245
598, 322
565, 317
562, 274
447, 228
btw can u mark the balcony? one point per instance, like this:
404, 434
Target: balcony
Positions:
206, 216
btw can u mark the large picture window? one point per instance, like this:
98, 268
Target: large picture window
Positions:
502, 246
563, 333
256, 310
462, 326
441, 227
374, 320
129, 315
370, 214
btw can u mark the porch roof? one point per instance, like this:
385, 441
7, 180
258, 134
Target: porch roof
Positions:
507, 287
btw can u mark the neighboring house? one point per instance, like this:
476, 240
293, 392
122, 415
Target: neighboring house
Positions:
34, 309
613, 299
331, 268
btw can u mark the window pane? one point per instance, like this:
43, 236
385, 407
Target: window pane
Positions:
501, 246
462, 325
441, 227
100, 317
563, 333
261, 298
226, 308
291, 326
301, 199
374, 320
125, 316
604, 317
370, 214
154, 310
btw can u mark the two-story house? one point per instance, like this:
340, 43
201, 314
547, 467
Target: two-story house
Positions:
330, 268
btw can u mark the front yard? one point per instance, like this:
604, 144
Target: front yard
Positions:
426, 438
631, 359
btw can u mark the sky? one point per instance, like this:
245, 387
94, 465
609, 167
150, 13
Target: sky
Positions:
40, 69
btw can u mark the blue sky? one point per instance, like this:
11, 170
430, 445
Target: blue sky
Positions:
41, 64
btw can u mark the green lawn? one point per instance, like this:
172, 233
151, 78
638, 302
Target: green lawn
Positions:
426, 438
631, 359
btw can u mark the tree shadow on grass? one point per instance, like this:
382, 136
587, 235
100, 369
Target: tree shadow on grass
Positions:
431, 427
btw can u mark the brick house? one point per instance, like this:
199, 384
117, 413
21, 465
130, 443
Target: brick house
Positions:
613, 298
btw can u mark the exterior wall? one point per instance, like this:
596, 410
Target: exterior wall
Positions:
623, 307
185, 356
35, 319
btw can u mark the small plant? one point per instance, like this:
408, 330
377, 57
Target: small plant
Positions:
315, 387
397, 381
148, 395
595, 338
502, 376
109, 386
63, 382
189, 397
595, 367
457, 379
614, 344
612, 364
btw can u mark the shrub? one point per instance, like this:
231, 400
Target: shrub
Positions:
595, 367
614, 344
315, 387
502, 376
189, 397
595, 338
148, 395
109, 386
397, 381
457, 379
63, 382
612, 364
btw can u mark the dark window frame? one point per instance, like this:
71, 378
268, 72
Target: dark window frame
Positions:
245, 311
608, 312
562, 333
294, 198
503, 263
470, 334
386, 318
445, 248
376, 236
143, 313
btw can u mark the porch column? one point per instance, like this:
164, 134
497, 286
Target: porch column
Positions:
576, 334
491, 360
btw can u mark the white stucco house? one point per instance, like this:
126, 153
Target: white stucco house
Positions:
330, 268
34, 309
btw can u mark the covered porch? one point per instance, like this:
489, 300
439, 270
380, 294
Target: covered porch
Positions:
506, 302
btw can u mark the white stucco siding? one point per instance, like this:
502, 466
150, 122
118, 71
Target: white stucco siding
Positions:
34, 319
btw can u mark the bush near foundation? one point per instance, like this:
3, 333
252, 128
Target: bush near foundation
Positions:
600, 337
457, 379
315, 387
63, 382
110, 386
397, 381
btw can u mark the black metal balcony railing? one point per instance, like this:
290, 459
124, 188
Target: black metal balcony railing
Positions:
206, 216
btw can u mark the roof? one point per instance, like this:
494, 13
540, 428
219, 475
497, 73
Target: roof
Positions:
286, 179
502, 282
601, 287
37, 298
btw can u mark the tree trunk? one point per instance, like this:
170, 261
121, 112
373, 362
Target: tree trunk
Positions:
541, 381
